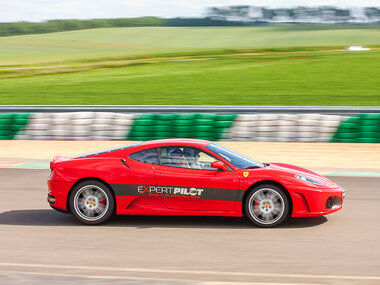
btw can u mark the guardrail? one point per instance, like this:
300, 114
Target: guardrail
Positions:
348, 111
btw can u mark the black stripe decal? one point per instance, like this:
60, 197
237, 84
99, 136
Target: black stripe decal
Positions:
178, 192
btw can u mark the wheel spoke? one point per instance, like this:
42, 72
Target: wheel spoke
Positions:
87, 192
99, 195
272, 196
86, 212
257, 210
261, 196
275, 211
99, 210
93, 191
81, 203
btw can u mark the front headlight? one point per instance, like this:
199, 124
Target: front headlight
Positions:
307, 179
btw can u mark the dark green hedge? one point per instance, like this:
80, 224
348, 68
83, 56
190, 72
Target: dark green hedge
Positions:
23, 28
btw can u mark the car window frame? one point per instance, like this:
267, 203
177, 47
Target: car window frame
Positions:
201, 150
155, 148
104, 151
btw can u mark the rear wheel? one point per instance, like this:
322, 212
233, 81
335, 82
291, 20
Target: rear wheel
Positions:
92, 202
267, 206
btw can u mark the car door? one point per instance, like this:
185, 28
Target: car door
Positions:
138, 179
142, 166
194, 185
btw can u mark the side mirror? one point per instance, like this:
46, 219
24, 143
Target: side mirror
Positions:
219, 165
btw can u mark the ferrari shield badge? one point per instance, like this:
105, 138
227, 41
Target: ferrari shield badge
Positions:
245, 174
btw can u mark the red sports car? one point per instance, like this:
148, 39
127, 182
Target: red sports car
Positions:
186, 177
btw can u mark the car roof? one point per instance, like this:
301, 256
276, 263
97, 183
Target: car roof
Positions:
144, 145
163, 142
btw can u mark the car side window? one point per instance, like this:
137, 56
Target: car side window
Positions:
185, 157
147, 156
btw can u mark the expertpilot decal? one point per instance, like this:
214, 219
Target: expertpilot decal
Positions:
170, 191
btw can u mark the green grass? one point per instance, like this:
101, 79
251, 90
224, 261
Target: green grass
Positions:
101, 74
153, 40
317, 78
212, 37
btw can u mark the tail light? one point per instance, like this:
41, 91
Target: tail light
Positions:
55, 160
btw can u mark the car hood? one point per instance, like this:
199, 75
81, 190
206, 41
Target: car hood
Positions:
293, 169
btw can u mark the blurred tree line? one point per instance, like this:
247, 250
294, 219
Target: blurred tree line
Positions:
215, 16
301, 14
23, 28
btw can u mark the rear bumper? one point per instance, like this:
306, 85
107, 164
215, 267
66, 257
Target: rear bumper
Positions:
59, 210
60, 191
310, 202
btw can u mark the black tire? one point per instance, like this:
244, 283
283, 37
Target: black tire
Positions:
267, 206
92, 202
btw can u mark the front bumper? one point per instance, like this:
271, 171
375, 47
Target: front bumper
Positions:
311, 202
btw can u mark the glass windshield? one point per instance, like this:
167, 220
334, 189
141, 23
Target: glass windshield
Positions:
235, 158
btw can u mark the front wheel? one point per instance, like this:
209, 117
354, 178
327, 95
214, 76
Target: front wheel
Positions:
267, 206
92, 202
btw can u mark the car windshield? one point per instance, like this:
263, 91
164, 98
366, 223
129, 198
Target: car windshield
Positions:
235, 158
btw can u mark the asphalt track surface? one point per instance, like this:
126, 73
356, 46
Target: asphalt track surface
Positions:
41, 246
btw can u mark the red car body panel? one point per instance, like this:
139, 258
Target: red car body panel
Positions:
151, 189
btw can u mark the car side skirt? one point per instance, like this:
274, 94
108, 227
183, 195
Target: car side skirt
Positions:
137, 205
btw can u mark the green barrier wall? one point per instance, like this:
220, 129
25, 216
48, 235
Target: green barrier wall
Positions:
193, 125
364, 128
11, 124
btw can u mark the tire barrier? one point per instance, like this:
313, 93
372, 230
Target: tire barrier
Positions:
232, 127
364, 128
190, 125
77, 126
11, 124
284, 127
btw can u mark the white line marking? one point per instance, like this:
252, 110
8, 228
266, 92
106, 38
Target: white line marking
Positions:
173, 271
151, 279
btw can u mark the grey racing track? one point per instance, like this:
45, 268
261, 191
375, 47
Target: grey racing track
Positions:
41, 246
